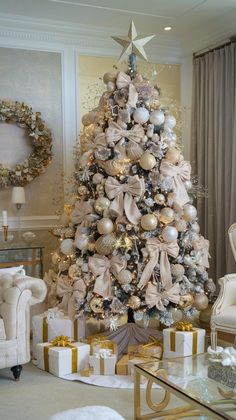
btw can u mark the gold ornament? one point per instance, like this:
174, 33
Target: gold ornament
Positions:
105, 226
82, 190
101, 204
147, 161
134, 151
96, 304
134, 302
159, 199
125, 242
200, 301
91, 246
186, 301
124, 277
167, 215
105, 244
113, 167
173, 155
149, 222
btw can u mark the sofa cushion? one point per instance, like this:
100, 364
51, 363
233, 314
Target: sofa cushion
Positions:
2, 330
13, 270
227, 318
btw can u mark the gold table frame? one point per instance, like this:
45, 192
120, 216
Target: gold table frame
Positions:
194, 408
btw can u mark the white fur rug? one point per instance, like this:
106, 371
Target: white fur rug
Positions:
88, 413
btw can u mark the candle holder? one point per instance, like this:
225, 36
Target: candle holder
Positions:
5, 232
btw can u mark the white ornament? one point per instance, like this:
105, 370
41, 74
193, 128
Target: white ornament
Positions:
170, 122
188, 185
159, 199
67, 246
147, 161
170, 234
124, 277
157, 117
97, 178
195, 227
104, 226
141, 115
81, 242
149, 222
190, 212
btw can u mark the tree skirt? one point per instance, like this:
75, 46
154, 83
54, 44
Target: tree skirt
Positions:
107, 381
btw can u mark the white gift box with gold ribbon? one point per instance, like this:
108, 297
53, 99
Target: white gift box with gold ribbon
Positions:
183, 343
62, 361
103, 362
52, 323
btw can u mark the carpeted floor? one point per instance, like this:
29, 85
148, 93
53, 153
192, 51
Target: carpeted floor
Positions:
39, 394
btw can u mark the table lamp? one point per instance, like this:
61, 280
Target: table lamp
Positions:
18, 198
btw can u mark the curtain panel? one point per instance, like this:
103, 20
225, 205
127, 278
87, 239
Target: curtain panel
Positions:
213, 150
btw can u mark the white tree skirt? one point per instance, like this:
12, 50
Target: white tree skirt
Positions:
108, 381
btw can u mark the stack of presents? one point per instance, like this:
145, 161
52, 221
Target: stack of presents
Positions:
60, 346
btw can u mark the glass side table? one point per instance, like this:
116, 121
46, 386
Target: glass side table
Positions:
30, 256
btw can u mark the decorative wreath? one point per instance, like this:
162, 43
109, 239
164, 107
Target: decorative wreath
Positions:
24, 172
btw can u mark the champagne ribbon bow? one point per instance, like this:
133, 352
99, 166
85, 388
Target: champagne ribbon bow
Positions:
70, 293
102, 267
83, 214
98, 141
202, 245
115, 133
122, 81
179, 173
154, 298
155, 248
123, 197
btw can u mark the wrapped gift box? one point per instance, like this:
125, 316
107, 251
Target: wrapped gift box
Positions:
103, 365
122, 365
98, 343
62, 361
222, 374
46, 329
183, 343
135, 361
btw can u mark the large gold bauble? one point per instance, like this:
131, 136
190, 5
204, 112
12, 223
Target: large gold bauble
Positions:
112, 167
200, 301
147, 161
149, 222
134, 302
124, 277
173, 155
105, 244
105, 226
101, 204
167, 215
160, 199
134, 151
96, 304
186, 301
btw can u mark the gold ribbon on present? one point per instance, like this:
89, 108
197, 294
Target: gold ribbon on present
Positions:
173, 340
104, 344
45, 330
61, 341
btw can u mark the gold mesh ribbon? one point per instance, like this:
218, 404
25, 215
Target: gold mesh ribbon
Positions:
173, 341
61, 341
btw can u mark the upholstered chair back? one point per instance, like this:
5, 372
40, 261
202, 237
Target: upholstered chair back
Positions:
232, 238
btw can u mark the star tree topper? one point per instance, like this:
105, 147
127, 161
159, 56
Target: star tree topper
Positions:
132, 43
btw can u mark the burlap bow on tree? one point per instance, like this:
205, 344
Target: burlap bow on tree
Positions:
102, 267
123, 80
154, 298
115, 133
70, 293
83, 214
123, 197
179, 173
155, 248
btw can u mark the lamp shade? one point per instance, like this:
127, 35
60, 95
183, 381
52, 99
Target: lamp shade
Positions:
18, 195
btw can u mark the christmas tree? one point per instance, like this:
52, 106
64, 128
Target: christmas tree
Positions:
131, 238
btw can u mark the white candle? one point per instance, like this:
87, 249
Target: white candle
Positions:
4, 218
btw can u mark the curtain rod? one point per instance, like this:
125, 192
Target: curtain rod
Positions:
218, 47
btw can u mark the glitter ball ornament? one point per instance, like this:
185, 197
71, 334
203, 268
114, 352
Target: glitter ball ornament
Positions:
81, 242
101, 204
149, 222
157, 117
173, 155
134, 151
105, 226
96, 305
67, 246
159, 199
147, 161
124, 277
55, 258
200, 302
170, 122
167, 215
177, 270
170, 234
134, 302
186, 301
190, 212
181, 225
141, 115
105, 244
97, 178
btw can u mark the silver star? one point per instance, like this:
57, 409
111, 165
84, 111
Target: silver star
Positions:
132, 43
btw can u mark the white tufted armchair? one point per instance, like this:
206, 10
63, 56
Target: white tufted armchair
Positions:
224, 309
17, 293
232, 238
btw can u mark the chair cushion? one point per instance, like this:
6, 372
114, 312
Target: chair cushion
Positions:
227, 318
2, 330
13, 270
88, 413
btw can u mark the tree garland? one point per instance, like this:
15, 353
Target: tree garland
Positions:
35, 164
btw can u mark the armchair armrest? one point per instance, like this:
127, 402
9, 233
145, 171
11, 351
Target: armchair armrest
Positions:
36, 286
227, 294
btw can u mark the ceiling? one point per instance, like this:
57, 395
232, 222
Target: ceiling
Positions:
197, 24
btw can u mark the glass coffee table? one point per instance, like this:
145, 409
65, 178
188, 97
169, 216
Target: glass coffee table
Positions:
186, 378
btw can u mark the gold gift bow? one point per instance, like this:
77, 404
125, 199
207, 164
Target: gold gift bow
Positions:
179, 173
184, 326
173, 341
61, 341
102, 267
122, 196
45, 330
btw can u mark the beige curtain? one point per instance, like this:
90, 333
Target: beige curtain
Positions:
213, 150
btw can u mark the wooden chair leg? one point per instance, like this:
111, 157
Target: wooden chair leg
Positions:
16, 370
